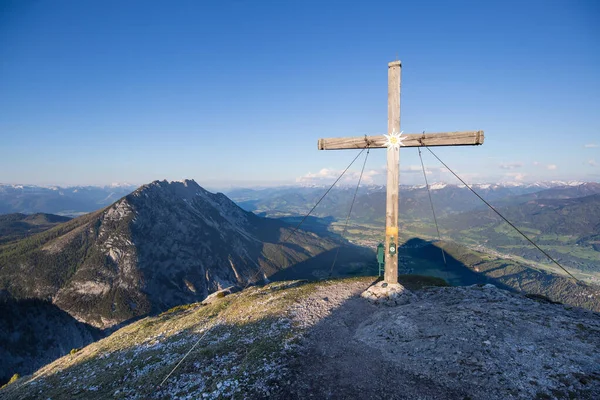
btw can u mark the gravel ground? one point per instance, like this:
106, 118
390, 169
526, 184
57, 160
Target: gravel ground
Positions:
448, 343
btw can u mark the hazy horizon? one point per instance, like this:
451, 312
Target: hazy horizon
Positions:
267, 184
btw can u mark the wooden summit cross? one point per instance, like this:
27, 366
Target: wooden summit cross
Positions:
392, 141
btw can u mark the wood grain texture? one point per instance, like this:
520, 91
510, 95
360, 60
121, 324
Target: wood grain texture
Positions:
393, 173
463, 138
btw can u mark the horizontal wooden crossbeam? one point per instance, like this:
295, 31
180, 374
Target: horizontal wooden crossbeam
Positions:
465, 138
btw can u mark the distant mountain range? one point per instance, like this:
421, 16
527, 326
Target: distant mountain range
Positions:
413, 204
439, 185
559, 192
69, 201
78, 200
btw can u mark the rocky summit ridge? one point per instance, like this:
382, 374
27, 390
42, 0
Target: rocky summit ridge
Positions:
294, 339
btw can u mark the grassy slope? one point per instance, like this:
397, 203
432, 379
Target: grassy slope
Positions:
248, 334
45, 268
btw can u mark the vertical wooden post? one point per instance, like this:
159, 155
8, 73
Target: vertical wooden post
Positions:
393, 174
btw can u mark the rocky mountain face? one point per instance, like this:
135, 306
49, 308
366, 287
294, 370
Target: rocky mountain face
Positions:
163, 245
294, 340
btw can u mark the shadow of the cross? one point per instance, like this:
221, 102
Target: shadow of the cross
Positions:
417, 257
425, 258
351, 261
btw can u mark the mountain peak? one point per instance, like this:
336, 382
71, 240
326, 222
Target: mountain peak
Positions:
165, 244
166, 183
187, 188
186, 182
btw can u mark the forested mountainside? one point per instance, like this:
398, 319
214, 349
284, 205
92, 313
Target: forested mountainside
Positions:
17, 226
568, 229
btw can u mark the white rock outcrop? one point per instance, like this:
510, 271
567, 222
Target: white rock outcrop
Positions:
388, 294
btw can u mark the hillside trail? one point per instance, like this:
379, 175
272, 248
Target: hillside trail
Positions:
448, 343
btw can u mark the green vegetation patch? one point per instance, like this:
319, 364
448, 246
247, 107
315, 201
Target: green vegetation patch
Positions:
13, 379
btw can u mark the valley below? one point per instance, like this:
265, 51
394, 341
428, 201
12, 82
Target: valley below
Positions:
563, 219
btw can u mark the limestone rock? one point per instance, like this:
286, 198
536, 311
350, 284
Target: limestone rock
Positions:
388, 294
220, 294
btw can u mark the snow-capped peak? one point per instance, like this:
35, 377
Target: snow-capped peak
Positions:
437, 186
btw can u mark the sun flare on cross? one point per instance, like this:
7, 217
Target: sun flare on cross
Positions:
394, 140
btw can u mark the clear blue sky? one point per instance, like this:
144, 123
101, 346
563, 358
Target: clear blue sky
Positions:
238, 92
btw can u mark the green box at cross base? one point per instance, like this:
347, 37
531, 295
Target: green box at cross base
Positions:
380, 253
